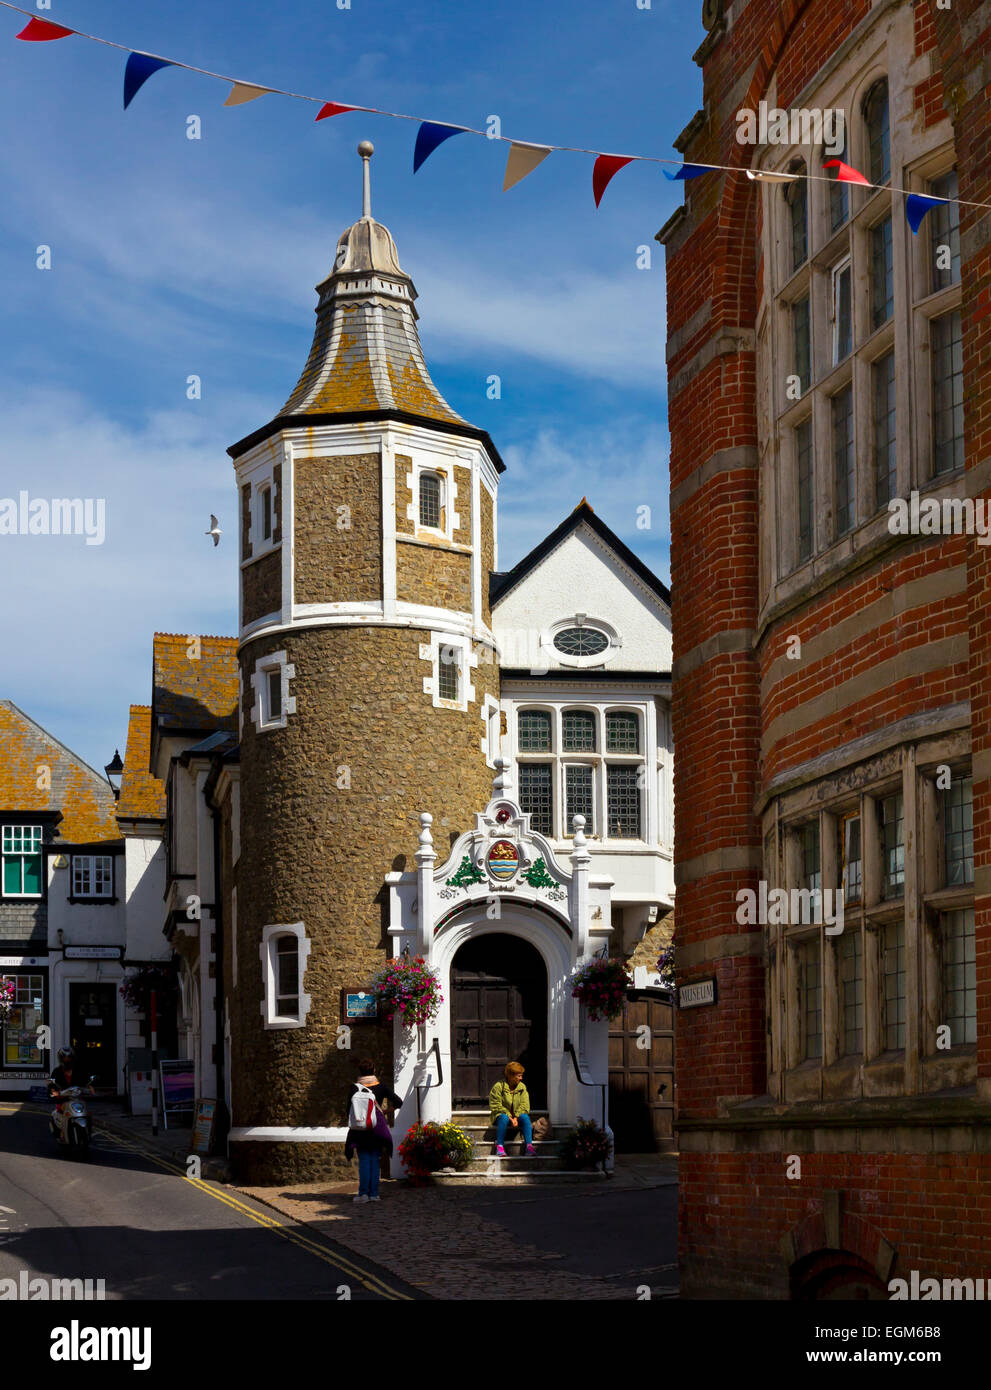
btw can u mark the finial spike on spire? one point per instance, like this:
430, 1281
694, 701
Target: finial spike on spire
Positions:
366, 149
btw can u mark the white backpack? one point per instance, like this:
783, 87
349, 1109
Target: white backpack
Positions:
363, 1107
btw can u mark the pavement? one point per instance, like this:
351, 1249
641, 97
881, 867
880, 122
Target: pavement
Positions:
614, 1240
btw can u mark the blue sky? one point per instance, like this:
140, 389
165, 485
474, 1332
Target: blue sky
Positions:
173, 257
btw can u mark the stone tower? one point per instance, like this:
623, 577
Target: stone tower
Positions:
369, 689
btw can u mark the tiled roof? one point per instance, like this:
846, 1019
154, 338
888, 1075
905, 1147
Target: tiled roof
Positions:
195, 682
30, 757
141, 794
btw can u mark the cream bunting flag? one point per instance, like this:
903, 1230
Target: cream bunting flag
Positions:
244, 91
522, 160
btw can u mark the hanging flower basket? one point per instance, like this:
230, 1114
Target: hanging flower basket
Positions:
137, 988
6, 999
408, 987
601, 986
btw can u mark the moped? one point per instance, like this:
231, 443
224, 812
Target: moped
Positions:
70, 1122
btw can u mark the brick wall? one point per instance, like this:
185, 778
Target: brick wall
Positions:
905, 634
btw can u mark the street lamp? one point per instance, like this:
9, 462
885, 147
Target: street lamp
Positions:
114, 769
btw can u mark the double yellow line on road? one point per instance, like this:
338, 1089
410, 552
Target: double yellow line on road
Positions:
313, 1244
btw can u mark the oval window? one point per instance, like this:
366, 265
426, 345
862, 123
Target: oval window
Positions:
581, 641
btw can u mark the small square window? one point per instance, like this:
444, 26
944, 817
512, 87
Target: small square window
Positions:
92, 876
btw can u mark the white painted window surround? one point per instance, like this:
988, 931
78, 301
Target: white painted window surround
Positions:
269, 952
466, 659
268, 712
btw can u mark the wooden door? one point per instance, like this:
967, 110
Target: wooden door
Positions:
641, 1076
498, 1015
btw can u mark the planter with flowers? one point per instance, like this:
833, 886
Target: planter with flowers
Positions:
430, 1146
408, 987
665, 967
586, 1146
601, 986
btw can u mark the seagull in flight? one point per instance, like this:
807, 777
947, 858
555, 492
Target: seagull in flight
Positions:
214, 530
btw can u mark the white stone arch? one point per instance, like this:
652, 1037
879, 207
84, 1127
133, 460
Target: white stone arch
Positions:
550, 937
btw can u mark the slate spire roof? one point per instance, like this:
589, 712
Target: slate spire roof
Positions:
366, 350
366, 361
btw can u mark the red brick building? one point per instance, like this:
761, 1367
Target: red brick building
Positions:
832, 691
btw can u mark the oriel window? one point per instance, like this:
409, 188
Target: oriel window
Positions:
797, 197
842, 312
851, 859
843, 461
882, 274
852, 986
958, 832
892, 847
802, 342
947, 368
803, 458
960, 976
894, 985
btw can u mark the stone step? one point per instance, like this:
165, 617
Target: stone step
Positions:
517, 1178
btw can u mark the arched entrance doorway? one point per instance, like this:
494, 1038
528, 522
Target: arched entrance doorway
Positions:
498, 1015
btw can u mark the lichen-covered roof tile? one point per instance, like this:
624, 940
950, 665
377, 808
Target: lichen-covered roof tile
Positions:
194, 682
142, 796
37, 773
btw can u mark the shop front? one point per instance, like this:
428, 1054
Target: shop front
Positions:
25, 1034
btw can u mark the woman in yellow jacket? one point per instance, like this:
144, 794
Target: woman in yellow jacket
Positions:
509, 1107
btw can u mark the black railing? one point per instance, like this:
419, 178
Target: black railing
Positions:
570, 1049
434, 1048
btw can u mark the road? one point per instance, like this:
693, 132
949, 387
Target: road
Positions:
128, 1217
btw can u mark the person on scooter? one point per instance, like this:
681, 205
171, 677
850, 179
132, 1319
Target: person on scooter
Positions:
62, 1077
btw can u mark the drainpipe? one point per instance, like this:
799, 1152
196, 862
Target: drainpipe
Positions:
223, 1119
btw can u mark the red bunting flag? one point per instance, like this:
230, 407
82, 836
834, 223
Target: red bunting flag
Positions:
332, 108
605, 167
846, 173
41, 30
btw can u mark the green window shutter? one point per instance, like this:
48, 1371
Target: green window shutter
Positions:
32, 873
12, 875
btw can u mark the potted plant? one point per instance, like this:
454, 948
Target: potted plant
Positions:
586, 1146
429, 1146
601, 986
408, 987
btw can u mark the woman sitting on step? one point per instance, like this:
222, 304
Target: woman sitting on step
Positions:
509, 1107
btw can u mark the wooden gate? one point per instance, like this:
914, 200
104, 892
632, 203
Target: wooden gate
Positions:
641, 1077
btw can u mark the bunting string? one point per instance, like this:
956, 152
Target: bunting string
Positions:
523, 156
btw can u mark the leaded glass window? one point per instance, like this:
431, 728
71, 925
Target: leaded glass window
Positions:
960, 976
536, 797
797, 195
623, 802
581, 641
882, 274
893, 847
947, 366
843, 461
429, 500
802, 342
894, 985
878, 134
578, 731
944, 232
448, 673
885, 462
534, 731
812, 1000
803, 456
622, 732
578, 797
958, 831
852, 986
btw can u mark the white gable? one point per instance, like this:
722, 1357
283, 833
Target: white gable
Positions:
583, 575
